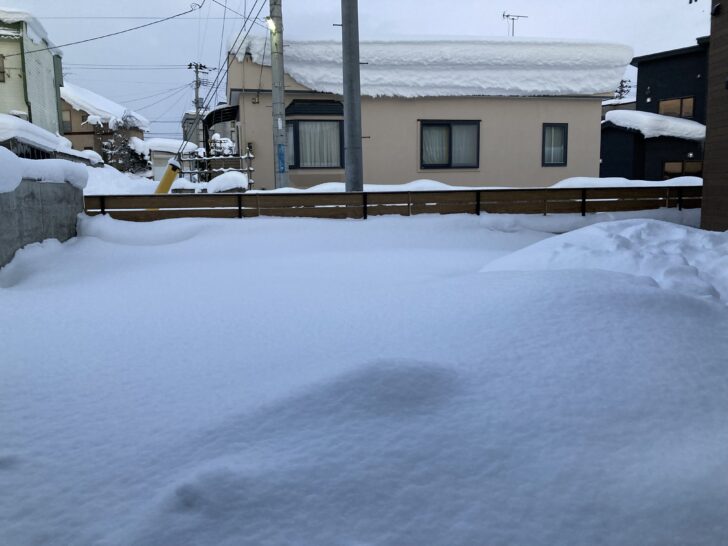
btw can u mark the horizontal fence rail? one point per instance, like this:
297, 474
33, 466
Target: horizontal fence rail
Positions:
144, 208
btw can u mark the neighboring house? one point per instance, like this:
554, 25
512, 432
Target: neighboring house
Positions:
214, 130
30, 71
715, 189
93, 122
671, 88
481, 112
192, 129
627, 103
158, 151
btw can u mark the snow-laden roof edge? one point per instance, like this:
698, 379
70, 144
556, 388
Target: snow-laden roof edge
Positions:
168, 145
105, 110
474, 67
656, 125
16, 169
16, 16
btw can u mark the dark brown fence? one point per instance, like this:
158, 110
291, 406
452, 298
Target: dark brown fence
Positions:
142, 208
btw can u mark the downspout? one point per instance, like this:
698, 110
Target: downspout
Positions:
24, 71
58, 81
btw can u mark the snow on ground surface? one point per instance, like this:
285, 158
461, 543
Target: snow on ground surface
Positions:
585, 182
100, 109
14, 169
107, 180
656, 125
301, 381
489, 66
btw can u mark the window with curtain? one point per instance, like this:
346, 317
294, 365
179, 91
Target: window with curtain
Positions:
555, 143
449, 144
681, 108
66, 116
314, 144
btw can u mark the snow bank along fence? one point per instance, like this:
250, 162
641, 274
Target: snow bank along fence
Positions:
143, 208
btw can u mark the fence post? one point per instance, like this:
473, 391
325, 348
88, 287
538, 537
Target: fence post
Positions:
365, 205
583, 202
103, 204
240, 206
477, 202
680, 198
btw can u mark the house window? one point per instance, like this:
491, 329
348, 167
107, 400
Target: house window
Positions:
672, 169
449, 144
555, 144
315, 144
66, 117
2, 68
679, 108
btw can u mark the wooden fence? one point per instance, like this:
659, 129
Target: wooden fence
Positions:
143, 208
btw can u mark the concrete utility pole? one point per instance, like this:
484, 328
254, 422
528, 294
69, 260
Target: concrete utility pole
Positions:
352, 96
198, 68
280, 136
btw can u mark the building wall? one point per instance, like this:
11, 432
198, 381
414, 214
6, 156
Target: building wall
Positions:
715, 189
622, 154
81, 135
41, 84
12, 90
673, 77
510, 135
660, 150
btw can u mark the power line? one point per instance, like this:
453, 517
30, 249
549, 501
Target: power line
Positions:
161, 100
157, 94
216, 84
193, 7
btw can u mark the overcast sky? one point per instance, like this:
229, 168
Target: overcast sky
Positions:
647, 25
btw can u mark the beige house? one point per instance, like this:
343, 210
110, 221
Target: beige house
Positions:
473, 113
30, 71
93, 122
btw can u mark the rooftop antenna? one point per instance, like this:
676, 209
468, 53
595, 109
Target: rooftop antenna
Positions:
511, 18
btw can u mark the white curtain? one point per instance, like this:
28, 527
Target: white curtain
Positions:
554, 145
435, 145
465, 145
319, 144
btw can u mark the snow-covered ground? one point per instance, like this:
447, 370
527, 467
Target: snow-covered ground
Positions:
300, 381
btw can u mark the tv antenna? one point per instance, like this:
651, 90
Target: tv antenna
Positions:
511, 18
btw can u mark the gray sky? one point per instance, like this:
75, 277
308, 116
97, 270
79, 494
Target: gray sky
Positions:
647, 25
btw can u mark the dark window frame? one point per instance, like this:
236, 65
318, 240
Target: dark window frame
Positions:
2, 68
296, 148
448, 123
682, 106
546, 126
70, 121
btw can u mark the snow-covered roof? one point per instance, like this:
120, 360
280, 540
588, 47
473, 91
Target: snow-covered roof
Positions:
36, 31
625, 100
168, 145
656, 125
493, 66
100, 108
12, 127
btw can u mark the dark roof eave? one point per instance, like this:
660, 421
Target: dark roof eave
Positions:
703, 43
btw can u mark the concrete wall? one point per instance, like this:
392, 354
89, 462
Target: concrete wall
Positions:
510, 151
37, 211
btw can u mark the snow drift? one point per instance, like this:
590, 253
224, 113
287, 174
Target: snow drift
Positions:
14, 169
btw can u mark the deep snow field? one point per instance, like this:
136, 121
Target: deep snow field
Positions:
403, 381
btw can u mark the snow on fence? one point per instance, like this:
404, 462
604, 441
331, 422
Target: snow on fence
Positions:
142, 208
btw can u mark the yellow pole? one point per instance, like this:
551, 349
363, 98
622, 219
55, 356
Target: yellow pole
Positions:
170, 175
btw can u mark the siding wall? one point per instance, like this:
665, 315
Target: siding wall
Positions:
12, 95
41, 82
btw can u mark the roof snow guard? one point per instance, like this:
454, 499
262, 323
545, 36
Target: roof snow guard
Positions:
492, 67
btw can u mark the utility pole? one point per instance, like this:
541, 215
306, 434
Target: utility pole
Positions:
353, 160
280, 136
199, 68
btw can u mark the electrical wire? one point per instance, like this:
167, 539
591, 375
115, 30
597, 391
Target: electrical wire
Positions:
168, 97
157, 94
193, 7
222, 37
220, 73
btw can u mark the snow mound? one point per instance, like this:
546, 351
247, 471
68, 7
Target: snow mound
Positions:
109, 181
586, 182
169, 145
101, 109
679, 258
494, 66
228, 181
656, 125
14, 169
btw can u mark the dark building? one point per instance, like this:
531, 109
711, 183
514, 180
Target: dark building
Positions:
715, 185
670, 83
